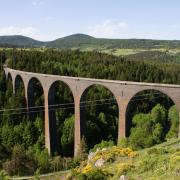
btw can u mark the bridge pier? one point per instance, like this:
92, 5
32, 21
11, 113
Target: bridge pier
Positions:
179, 127
122, 106
51, 140
77, 126
47, 125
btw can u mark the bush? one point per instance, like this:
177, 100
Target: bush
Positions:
123, 142
3, 175
69, 163
93, 174
149, 129
43, 161
83, 150
102, 145
173, 117
21, 163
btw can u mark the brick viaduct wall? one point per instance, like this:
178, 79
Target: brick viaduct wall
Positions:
123, 92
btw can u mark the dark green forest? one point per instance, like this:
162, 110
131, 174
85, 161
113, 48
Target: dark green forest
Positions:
151, 119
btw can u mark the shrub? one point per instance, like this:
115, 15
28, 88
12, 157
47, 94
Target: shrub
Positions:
21, 163
83, 150
91, 174
43, 161
173, 117
3, 175
57, 164
102, 145
123, 142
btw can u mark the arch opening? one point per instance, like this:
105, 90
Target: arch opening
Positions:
153, 114
20, 91
19, 101
19, 85
35, 112
99, 116
9, 77
6, 97
61, 118
9, 83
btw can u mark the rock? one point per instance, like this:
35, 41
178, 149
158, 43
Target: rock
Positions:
91, 155
123, 177
99, 162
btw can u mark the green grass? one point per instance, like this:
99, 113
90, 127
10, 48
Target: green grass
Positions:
158, 162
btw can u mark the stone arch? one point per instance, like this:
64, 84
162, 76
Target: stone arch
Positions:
158, 93
57, 104
107, 101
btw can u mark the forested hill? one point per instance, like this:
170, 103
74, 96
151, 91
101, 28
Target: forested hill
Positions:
18, 41
86, 41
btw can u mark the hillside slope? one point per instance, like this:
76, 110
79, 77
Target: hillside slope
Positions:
158, 162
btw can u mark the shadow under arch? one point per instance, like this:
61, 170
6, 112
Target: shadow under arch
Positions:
99, 114
19, 90
4, 78
19, 84
61, 118
9, 83
9, 76
143, 102
35, 94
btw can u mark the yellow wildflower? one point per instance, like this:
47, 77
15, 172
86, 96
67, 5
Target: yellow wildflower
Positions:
86, 169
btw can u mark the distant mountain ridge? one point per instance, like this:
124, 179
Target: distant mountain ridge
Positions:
85, 41
18, 40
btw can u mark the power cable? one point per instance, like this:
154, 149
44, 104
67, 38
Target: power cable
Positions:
72, 103
51, 109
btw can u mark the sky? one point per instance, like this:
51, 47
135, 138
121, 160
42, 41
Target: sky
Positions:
51, 19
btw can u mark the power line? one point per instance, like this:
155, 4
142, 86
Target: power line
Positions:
81, 102
56, 109
81, 106
54, 105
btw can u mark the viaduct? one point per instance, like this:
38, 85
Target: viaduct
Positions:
123, 92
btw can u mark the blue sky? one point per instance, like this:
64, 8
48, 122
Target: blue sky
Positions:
51, 19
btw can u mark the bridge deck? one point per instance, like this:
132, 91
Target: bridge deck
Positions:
95, 80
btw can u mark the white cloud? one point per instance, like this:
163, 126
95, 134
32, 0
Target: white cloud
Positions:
108, 29
26, 31
38, 2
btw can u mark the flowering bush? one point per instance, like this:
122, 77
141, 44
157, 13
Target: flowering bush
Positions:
95, 167
86, 169
110, 154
